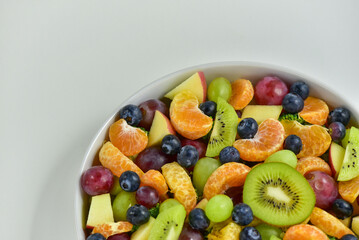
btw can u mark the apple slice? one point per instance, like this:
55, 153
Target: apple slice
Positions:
355, 225
195, 83
161, 126
143, 232
100, 211
262, 112
336, 157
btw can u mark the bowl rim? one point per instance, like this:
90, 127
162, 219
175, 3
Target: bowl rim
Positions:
285, 69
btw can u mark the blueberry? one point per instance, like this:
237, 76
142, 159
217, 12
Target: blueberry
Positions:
242, 214
342, 209
198, 219
247, 128
349, 237
292, 103
339, 114
132, 114
300, 88
229, 154
137, 214
171, 144
208, 108
188, 156
96, 236
337, 131
293, 143
129, 181
250, 233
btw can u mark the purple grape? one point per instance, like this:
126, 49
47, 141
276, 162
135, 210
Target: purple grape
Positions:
337, 131
121, 236
236, 194
152, 158
148, 109
97, 180
200, 146
189, 233
147, 196
325, 188
239, 113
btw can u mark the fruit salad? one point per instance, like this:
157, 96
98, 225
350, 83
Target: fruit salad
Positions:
227, 161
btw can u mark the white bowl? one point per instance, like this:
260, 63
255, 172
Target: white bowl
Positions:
232, 71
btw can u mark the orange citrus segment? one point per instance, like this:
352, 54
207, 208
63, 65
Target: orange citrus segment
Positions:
228, 175
268, 140
328, 223
315, 111
310, 164
349, 190
187, 118
304, 232
155, 179
112, 158
316, 140
109, 229
129, 140
180, 184
242, 94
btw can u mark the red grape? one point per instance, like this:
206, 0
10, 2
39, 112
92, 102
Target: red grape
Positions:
148, 109
236, 194
325, 188
147, 196
200, 146
97, 180
121, 236
152, 158
270, 91
189, 233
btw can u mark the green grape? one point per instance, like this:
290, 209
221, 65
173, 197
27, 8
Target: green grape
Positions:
116, 188
168, 204
274, 238
267, 231
284, 156
219, 208
346, 138
123, 201
219, 87
202, 170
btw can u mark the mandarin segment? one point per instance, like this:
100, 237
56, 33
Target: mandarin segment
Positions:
315, 111
310, 164
349, 190
242, 94
316, 140
328, 223
304, 232
155, 179
187, 118
129, 140
180, 184
112, 158
109, 229
228, 175
268, 140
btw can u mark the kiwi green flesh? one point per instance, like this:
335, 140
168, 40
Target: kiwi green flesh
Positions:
278, 194
224, 128
350, 165
168, 224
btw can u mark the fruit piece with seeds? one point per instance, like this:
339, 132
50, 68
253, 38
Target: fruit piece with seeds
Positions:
143, 231
242, 94
278, 194
310, 164
350, 165
349, 190
267, 231
315, 111
304, 232
109, 229
224, 128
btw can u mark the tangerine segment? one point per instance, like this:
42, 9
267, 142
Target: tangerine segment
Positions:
228, 175
310, 164
349, 190
316, 140
242, 94
112, 158
129, 140
328, 223
304, 232
155, 179
187, 118
268, 140
180, 184
109, 229
315, 111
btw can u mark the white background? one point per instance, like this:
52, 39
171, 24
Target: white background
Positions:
65, 65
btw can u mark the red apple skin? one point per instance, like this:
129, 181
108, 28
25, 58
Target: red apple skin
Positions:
334, 171
204, 85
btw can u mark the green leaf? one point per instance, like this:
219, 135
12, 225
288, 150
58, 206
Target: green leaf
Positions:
155, 210
293, 117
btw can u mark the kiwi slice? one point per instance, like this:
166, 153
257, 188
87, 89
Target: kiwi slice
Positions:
224, 128
168, 224
350, 165
278, 194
